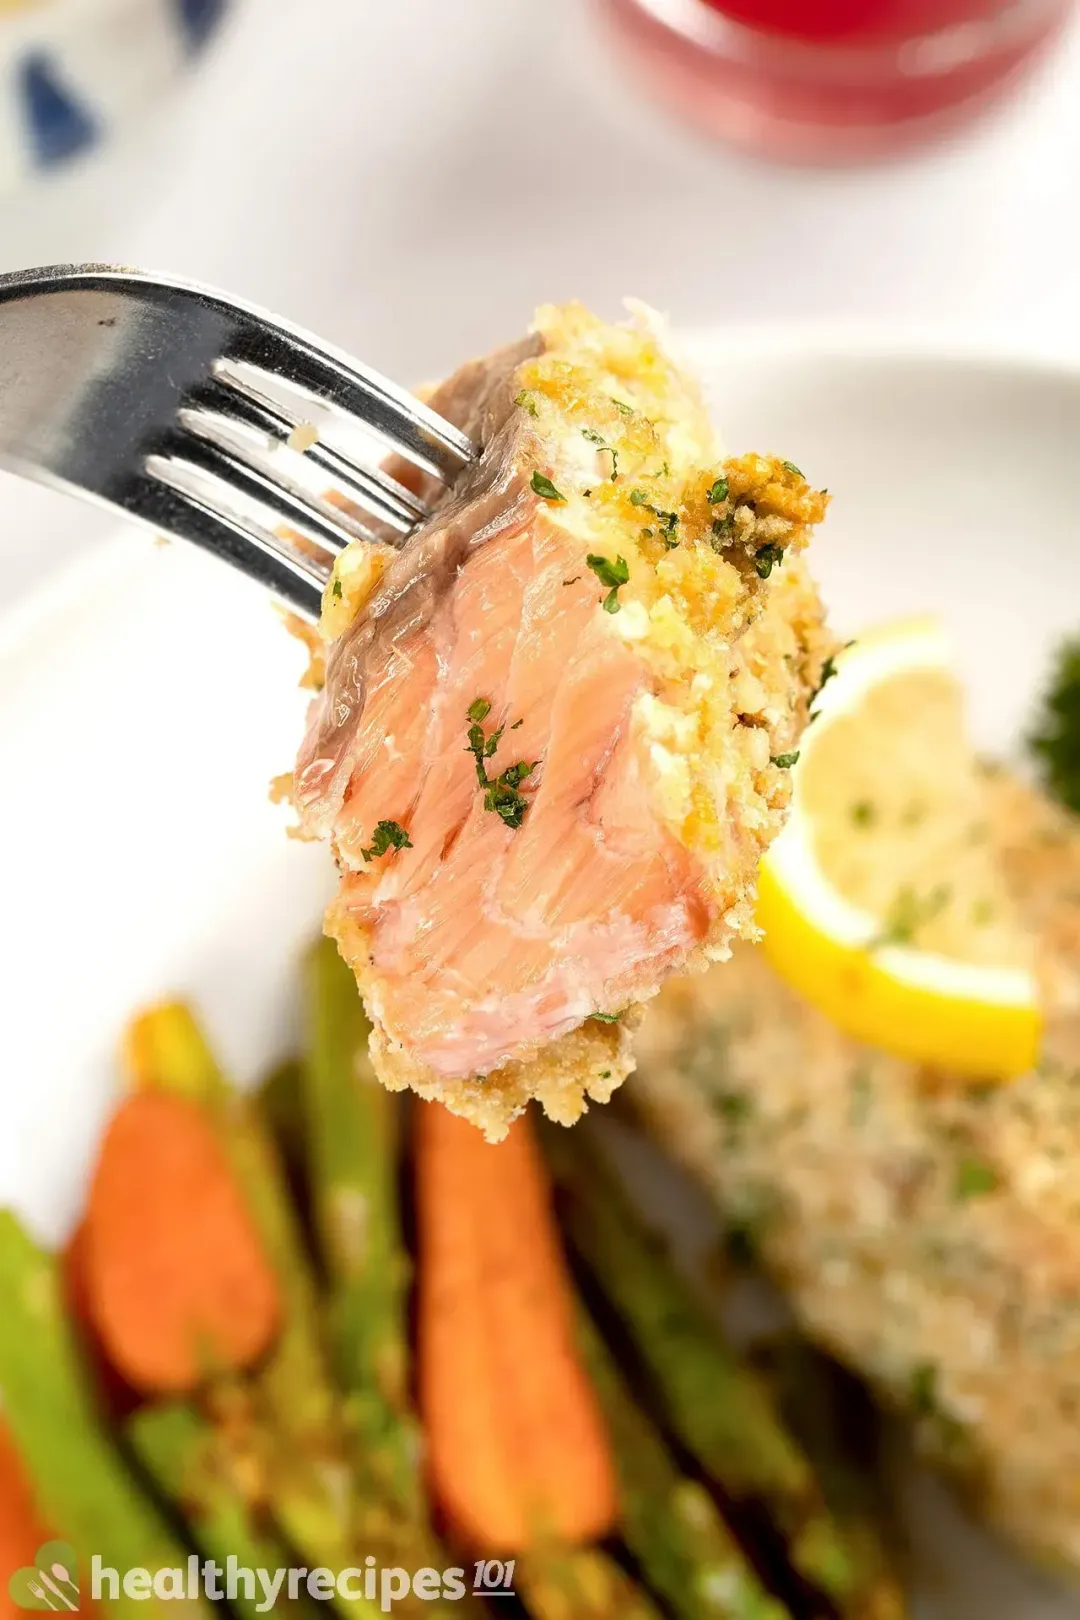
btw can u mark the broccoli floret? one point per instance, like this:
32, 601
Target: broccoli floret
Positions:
1055, 739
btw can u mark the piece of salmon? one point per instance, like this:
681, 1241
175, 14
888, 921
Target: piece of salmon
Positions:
545, 761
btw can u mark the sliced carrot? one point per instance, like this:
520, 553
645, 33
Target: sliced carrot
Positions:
178, 1285
21, 1530
116, 1396
516, 1443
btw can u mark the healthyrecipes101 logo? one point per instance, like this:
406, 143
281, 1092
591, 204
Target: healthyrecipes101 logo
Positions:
52, 1582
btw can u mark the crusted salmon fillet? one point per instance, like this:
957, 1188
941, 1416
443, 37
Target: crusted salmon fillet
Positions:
549, 752
928, 1231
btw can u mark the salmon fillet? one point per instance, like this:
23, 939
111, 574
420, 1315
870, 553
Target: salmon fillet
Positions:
544, 761
927, 1230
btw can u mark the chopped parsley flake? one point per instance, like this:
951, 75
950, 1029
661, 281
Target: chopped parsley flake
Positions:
542, 485
789, 466
527, 400
828, 670
863, 813
627, 410
722, 529
607, 1018
612, 574
908, 913
605, 1074
924, 1389
387, 835
335, 590
766, 558
785, 761
501, 793
975, 1178
718, 492
668, 521
602, 444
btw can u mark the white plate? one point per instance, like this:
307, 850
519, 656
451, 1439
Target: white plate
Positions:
147, 700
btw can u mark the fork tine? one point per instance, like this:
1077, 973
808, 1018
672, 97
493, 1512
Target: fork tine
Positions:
392, 412
270, 474
294, 507
293, 578
388, 501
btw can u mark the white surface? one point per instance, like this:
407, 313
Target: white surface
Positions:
146, 700
412, 177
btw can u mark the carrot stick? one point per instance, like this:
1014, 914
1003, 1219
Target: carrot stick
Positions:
116, 1397
178, 1283
517, 1450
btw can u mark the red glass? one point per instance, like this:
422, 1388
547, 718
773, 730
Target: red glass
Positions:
828, 80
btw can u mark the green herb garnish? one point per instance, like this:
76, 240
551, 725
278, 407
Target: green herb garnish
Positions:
527, 400
612, 574
974, 1179
718, 492
789, 466
387, 835
828, 670
923, 1388
863, 813
766, 558
335, 590
542, 485
668, 521
1055, 741
501, 792
627, 410
602, 444
908, 913
606, 1018
785, 761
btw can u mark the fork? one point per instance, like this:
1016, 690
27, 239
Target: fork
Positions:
211, 420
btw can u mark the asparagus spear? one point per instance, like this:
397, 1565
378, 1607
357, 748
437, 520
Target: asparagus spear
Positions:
580, 1583
714, 1404
80, 1484
816, 1397
352, 1127
670, 1523
182, 1454
281, 1104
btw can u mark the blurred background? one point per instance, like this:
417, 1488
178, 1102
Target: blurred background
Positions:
410, 179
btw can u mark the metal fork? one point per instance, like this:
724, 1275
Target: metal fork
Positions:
180, 406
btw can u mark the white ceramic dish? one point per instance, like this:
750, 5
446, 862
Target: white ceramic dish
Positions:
146, 701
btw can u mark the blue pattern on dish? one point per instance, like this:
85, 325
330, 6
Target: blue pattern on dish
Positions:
199, 18
59, 124
64, 88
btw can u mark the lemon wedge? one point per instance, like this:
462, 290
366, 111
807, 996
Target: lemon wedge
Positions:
881, 901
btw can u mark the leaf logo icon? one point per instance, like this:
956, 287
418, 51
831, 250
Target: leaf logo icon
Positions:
50, 1582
